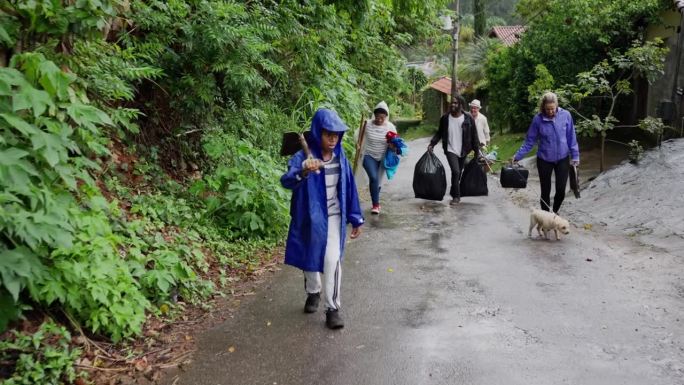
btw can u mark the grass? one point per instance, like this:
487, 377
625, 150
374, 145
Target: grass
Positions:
505, 146
417, 132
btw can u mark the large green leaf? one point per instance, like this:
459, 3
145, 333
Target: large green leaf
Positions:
20, 124
88, 116
51, 147
54, 81
30, 98
16, 267
10, 310
11, 156
5, 38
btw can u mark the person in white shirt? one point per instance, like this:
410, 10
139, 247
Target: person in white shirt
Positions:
373, 149
480, 123
459, 137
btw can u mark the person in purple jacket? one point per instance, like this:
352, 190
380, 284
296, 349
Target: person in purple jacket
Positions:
553, 130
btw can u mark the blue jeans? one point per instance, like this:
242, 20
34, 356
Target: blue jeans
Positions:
372, 168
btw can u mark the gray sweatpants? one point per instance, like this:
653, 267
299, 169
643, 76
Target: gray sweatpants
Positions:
332, 268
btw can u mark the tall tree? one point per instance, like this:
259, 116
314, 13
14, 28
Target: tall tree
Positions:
480, 17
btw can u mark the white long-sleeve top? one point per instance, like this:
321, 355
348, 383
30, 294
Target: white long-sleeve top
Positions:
482, 129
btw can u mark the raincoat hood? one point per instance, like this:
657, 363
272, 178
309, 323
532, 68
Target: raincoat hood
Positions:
383, 106
328, 119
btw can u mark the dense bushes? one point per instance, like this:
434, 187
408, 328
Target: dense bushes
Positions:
102, 103
567, 37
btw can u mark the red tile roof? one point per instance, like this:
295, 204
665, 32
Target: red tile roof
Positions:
443, 85
509, 34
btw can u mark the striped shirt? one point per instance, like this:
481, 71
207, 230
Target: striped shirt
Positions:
374, 140
332, 177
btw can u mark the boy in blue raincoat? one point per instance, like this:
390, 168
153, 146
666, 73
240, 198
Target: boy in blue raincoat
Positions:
324, 200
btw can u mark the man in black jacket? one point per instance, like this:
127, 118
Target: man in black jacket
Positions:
458, 134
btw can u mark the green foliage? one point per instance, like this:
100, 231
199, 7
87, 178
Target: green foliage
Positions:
58, 242
38, 176
480, 17
509, 75
636, 151
209, 86
544, 82
506, 145
589, 128
31, 23
418, 81
43, 357
611, 78
567, 37
654, 126
472, 67
571, 36
236, 197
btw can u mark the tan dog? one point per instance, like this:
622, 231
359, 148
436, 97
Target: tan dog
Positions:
547, 221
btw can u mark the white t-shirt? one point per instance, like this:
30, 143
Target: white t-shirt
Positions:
455, 145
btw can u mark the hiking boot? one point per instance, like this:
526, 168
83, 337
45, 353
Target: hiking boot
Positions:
333, 320
455, 201
311, 304
375, 210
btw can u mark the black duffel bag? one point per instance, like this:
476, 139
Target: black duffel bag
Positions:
429, 178
473, 180
514, 176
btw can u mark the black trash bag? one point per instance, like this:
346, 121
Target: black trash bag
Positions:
473, 180
429, 178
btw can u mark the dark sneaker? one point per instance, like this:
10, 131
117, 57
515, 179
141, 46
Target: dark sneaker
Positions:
311, 304
333, 320
455, 201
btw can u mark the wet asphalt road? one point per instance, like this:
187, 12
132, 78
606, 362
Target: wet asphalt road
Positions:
439, 295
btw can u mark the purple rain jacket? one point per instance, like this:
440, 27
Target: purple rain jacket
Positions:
556, 138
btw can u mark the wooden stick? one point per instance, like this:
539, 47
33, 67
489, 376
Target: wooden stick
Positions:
305, 146
307, 151
362, 133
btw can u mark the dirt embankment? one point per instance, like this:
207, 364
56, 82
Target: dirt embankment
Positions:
644, 200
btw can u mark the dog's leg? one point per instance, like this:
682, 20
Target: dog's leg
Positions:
557, 234
532, 223
539, 229
546, 234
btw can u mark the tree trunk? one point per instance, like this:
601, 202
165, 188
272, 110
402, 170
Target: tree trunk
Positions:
480, 17
454, 47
